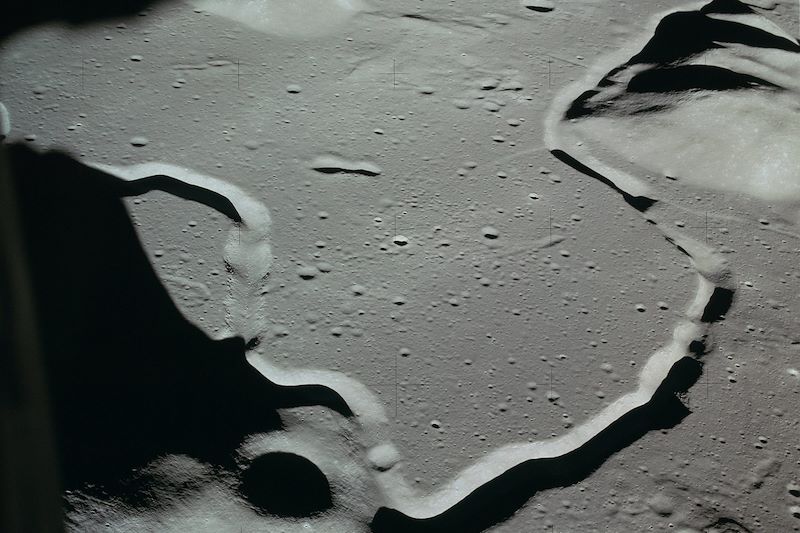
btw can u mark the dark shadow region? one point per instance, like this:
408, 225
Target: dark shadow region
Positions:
73, 12
640, 203
718, 305
678, 38
184, 190
285, 484
129, 378
694, 77
339, 170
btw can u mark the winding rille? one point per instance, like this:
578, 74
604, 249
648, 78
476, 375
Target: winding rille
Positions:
690, 57
248, 256
625, 85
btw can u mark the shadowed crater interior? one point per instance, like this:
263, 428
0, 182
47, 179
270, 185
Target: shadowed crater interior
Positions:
285, 484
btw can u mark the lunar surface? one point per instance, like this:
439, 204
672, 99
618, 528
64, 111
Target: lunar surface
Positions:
366, 266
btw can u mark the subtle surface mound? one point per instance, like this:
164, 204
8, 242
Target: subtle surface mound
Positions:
310, 18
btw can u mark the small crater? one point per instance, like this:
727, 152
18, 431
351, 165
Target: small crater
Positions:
285, 484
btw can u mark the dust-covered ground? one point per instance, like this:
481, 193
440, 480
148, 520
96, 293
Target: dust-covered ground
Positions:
498, 231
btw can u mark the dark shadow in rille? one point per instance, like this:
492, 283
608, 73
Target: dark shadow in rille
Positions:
129, 378
501, 498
